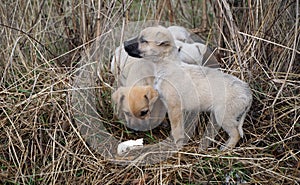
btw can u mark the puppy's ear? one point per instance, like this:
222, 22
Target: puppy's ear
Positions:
201, 48
161, 41
151, 94
118, 96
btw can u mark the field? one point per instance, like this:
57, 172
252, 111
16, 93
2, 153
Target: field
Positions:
43, 45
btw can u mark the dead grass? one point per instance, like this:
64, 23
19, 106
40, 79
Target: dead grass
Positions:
41, 43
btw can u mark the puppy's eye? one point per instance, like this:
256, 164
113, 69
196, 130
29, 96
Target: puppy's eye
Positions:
144, 112
179, 48
143, 41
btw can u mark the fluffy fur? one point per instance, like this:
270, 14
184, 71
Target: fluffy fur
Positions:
184, 87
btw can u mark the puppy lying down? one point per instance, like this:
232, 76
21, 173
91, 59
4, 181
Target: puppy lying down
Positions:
139, 102
183, 87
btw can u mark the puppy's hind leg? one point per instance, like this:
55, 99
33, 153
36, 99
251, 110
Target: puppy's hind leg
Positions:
234, 128
210, 133
234, 134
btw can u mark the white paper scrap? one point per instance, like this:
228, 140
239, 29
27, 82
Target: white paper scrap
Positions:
128, 145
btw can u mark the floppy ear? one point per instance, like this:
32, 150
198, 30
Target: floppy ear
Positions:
117, 98
163, 41
201, 48
151, 95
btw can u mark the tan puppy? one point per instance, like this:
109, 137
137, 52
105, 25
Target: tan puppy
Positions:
139, 73
126, 100
184, 87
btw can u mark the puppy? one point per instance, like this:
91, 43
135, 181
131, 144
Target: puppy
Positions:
181, 34
136, 72
131, 71
191, 53
120, 60
184, 87
126, 100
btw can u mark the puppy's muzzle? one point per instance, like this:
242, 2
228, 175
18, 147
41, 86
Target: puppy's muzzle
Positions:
132, 48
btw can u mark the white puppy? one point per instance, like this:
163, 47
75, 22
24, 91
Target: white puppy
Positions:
184, 87
208, 59
191, 53
119, 60
181, 34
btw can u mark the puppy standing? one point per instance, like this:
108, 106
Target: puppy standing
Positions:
184, 87
133, 72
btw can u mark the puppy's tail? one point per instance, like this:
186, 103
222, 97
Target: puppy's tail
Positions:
241, 120
240, 129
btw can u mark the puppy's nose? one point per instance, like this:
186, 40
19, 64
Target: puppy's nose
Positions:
132, 48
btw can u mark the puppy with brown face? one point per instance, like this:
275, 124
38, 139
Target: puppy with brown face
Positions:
136, 102
139, 73
185, 88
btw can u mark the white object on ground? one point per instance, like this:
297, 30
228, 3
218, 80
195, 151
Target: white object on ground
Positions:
128, 145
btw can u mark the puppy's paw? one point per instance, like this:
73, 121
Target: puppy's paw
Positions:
223, 148
180, 143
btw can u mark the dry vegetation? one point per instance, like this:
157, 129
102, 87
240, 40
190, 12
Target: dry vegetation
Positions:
40, 49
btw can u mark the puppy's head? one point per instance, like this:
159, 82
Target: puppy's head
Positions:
152, 42
136, 101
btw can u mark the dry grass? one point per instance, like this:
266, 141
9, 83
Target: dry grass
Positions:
41, 43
